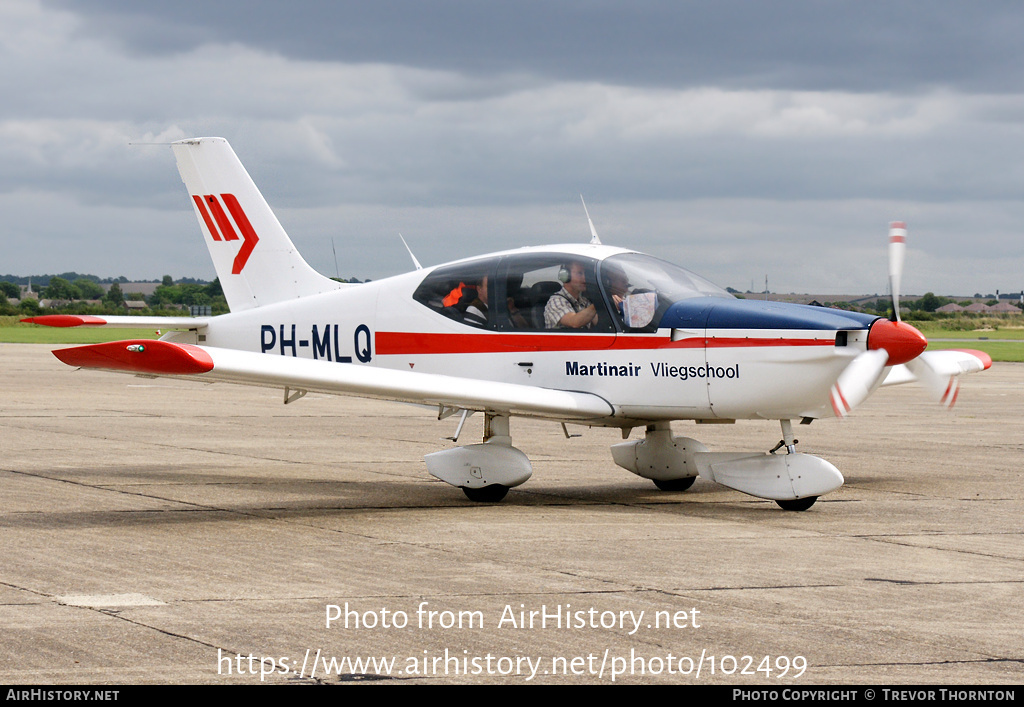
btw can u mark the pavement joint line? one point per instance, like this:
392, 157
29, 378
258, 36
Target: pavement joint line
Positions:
766, 587
974, 661
956, 550
24, 589
420, 595
933, 533
113, 613
917, 583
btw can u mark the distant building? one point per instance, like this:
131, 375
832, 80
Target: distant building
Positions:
950, 308
1004, 308
142, 288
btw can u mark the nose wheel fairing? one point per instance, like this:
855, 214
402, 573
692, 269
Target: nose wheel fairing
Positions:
781, 477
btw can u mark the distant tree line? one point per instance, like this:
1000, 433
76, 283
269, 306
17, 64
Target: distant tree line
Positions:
926, 304
39, 282
86, 296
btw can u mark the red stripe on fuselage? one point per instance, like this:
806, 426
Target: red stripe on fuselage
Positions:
405, 343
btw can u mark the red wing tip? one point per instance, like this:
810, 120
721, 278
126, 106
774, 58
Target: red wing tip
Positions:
139, 356
985, 359
66, 320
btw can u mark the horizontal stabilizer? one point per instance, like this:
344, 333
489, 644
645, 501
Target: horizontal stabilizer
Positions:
115, 322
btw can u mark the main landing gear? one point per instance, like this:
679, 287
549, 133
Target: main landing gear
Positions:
485, 472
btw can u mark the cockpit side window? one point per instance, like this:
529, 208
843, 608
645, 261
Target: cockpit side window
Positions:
461, 292
527, 283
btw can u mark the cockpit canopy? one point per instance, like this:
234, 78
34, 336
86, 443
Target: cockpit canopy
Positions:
630, 291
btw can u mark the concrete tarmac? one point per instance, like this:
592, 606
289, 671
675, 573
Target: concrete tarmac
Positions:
162, 531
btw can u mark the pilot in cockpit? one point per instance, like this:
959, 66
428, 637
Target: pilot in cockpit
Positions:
569, 307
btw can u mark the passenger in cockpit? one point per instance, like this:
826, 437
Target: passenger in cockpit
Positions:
616, 283
476, 312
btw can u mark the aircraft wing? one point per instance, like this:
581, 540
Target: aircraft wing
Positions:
162, 358
123, 322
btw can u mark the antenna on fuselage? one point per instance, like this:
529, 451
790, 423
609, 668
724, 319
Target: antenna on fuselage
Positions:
414, 261
594, 240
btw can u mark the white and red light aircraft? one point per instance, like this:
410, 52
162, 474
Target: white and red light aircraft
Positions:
659, 344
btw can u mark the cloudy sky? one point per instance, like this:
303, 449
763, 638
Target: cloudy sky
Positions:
739, 139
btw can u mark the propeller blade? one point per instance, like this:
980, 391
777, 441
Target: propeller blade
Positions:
939, 372
857, 381
943, 389
897, 247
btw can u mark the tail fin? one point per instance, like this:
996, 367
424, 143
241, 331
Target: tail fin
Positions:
255, 260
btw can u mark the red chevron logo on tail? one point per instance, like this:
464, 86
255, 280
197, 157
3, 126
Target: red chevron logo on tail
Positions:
221, 228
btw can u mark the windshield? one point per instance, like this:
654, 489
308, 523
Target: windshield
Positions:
639, 288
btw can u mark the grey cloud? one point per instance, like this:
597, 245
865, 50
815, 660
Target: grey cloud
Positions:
853, 45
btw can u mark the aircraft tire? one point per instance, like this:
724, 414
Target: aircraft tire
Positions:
486, 494
797, 504
675, 484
